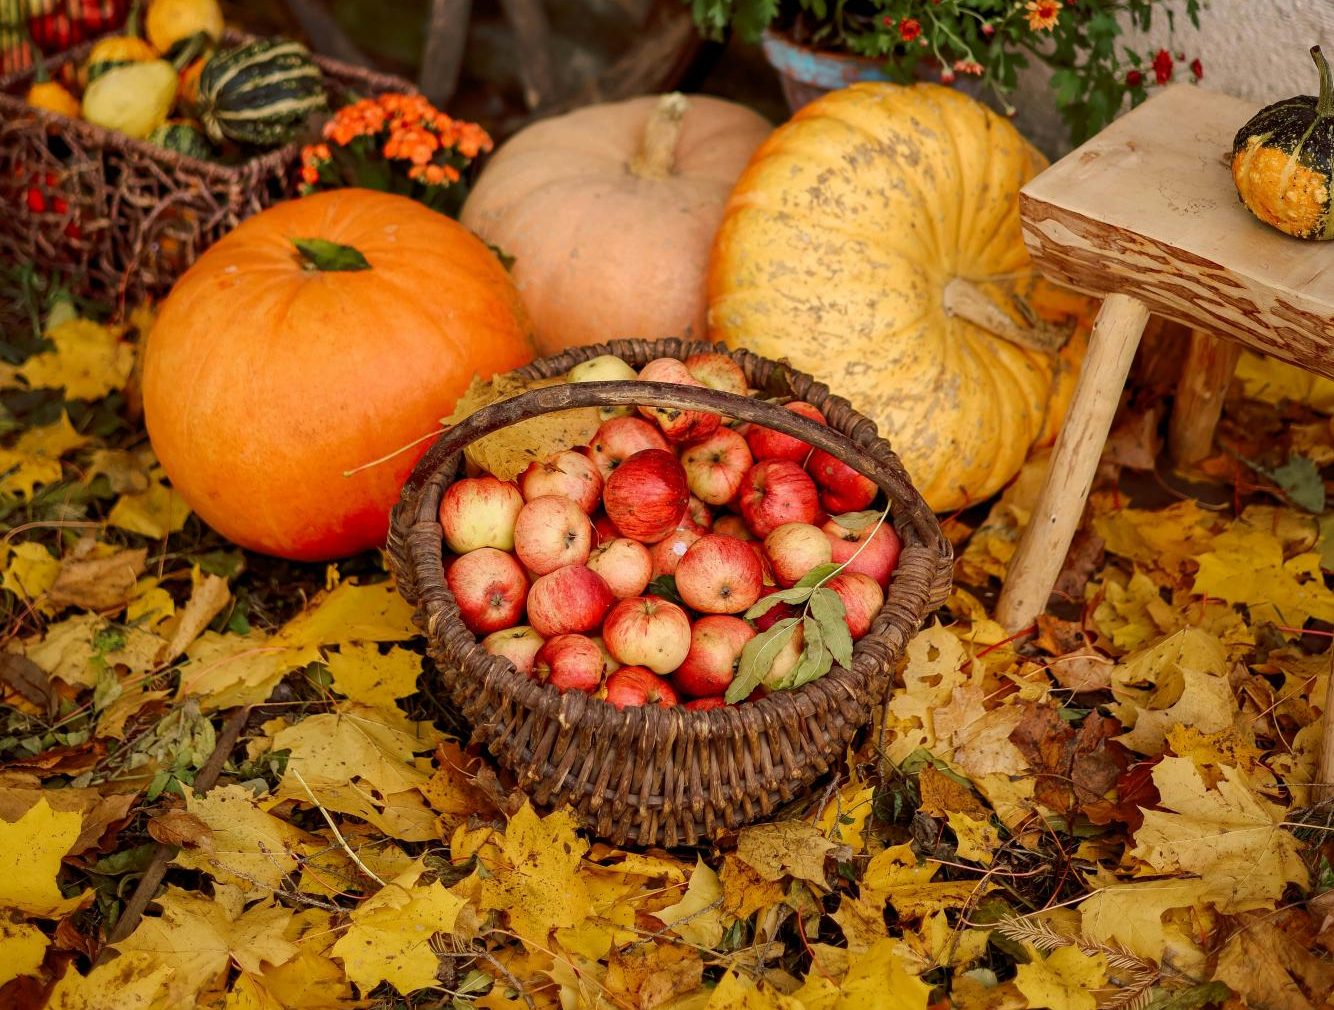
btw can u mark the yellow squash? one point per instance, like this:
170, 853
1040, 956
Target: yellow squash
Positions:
52, 97
874, 241
114, 51
173, 21
133, 98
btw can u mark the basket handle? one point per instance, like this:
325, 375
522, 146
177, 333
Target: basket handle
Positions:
548, 399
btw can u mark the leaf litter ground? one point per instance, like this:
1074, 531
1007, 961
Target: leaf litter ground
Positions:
1120, 810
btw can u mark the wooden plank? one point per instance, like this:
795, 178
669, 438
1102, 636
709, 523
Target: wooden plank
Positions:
1148, 208
442, 55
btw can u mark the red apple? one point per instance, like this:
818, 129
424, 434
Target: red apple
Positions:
842, 489
646, 496
765, 443
570, 599
631, 686
667, 553
704, 704
489, 586
568, 473
569, 663
715, 648
717, 371
719, 575
620, 438
603, 528
879, 558
647, 631
777, 491
862, 599
794, 549
774, 614
732, 526
678, 424
552, 531
624, 564
480, 512
518, 644
766, 566
698, 515
716, 466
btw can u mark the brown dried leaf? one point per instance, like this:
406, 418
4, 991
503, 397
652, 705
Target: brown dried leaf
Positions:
28, 679
96, 583
181, 829
507, 452
942, 795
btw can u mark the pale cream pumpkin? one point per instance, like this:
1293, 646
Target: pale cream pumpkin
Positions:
609, 213
874, 241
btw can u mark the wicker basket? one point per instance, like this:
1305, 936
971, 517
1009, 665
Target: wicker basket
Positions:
120, 218
652, 775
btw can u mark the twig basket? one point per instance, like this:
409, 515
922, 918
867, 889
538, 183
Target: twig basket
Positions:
652, 775
121, 218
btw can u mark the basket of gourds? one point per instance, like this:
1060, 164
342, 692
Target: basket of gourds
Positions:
574, 662
125, 157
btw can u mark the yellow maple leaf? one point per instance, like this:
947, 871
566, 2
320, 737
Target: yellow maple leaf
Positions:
1131, 611
934, 668
735, 991
311, 979
228, 669
879, 978
537, 882
363, 674
136, 979
35, 457
1163, 539
155, 512
1132, 915
940, 942
332, 749
31, 849
1247, 566
198, 937
978, 839
68, 649
785, 849
1228, 835
30, 570
894, 875
844, 818
389, 938
151, 606
209, 594
862, 920
353, 613
88, 362
1272, 381
248, 848
1181, 679
1066, 979
22, 948
697, 917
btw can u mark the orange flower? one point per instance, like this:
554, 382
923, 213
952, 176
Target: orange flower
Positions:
434, 175
411, 143
309, 175
1043, 14
472, 140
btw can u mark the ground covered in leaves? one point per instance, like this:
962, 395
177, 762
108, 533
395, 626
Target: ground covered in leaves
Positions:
221, 784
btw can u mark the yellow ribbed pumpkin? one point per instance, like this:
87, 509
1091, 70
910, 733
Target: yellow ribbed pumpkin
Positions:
855, 243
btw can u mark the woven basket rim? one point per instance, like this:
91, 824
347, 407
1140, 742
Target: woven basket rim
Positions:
244, 172
911, 517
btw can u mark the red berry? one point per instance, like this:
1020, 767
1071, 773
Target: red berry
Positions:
36, 201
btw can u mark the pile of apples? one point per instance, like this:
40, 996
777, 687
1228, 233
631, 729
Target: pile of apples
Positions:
636, 556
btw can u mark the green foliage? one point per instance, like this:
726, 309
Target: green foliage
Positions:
990, 39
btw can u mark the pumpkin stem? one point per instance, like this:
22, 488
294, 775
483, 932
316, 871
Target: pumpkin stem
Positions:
323, 255
965, 299
656, 156
1325, 104
132, 20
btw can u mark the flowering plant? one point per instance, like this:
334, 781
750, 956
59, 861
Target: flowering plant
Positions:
398, 144
990, 40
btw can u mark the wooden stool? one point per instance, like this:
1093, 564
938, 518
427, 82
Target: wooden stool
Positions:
1145, 215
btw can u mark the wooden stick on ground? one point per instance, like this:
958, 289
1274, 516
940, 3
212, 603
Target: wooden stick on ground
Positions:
1199, 400
147, 887
1324, 779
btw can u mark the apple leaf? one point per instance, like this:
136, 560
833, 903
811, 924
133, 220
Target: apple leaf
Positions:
827, 609
816, 659
795, 595
757, 658
664, 586
858, 521
817, 575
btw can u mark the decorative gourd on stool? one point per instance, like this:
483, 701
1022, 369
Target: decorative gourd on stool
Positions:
874, 242
1283, 161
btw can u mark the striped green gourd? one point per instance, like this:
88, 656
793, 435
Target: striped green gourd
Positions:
183, 138
260, 92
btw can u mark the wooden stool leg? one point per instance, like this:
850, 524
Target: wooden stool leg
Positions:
1037, 562
1200, 392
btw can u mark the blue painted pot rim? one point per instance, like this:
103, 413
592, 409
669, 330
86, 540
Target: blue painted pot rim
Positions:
817, 67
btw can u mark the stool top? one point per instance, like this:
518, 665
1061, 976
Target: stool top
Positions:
1148, 208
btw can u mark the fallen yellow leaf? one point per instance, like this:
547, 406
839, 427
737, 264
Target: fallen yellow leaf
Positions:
31, 849
88, 362
537, 883
22, 948
363, 674
1066, 979
697, 917
154, 513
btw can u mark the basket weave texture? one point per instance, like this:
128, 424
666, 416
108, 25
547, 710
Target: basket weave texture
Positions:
123, 218
653, 775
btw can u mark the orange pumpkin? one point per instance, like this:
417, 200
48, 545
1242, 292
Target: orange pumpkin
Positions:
321, 334
609, 213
